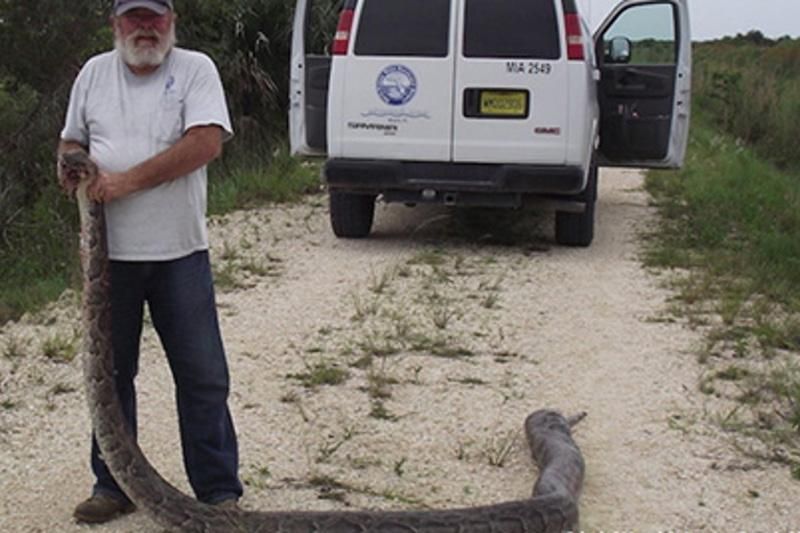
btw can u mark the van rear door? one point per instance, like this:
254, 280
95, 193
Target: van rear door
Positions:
391, 95
309, 73
510, 102
644, 55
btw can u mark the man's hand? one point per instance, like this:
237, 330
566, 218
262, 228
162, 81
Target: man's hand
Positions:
109, 186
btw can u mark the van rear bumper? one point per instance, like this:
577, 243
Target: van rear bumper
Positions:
379, 176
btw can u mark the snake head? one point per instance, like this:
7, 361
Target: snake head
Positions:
74, 167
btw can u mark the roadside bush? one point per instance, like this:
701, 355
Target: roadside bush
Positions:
752, 91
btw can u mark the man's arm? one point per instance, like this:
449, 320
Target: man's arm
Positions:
199, 146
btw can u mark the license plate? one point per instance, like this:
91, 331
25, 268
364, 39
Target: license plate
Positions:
504, 103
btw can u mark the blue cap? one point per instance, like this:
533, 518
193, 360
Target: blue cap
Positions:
159, 6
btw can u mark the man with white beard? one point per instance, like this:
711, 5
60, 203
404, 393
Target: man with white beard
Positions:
153, 116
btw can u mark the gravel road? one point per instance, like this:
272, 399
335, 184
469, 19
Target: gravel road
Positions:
396, 372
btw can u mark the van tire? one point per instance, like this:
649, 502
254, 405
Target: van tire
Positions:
351, 214
577, 229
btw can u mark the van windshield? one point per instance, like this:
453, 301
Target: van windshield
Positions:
408, 28
511, 29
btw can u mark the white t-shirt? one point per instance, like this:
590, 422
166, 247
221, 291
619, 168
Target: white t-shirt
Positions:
125, 119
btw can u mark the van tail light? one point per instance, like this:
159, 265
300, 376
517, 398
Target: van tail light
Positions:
572, 22
341, 40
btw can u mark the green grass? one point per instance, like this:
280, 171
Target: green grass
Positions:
255, 180
38, 255
320, 373
753, 93
60, 349
731, 223
733, 214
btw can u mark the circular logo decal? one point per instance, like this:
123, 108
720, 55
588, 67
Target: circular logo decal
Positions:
397, 85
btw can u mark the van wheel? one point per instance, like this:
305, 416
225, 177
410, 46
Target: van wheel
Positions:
577, 229
351, 214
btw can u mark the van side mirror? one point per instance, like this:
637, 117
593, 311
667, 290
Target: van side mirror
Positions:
619, 50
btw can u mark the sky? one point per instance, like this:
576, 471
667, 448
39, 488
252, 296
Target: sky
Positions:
711, 19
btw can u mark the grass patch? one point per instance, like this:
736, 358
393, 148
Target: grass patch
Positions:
320, 373
60, 349
380, 412
751, 87
14, 348
733, 218
38, 255
731, 225
254, 180
498, 449
334, 443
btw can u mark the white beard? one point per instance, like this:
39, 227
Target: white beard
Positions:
146, 55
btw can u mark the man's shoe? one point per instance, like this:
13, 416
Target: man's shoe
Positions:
101, 508
229, 505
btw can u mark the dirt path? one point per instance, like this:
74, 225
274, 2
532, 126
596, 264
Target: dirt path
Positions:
443, 343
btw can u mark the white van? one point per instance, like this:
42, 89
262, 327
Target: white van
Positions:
488, 103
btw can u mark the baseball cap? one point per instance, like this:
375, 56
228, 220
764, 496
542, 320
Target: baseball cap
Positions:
159, 6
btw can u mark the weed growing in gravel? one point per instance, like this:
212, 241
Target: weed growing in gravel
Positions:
328, 448
380, 412
14, 348
293, 398
490, 301
329, 488
259, 268
320, 373
60, 348
498, 448
399, 466
461, 451
363, 307
61, 388
441, 346
238, 265
257, 477
225, 277
469, 381
442, 314
429, 258
378, 284
379, 346
379, 382
229, 252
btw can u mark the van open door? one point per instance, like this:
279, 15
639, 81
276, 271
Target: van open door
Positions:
644, 56
309, 74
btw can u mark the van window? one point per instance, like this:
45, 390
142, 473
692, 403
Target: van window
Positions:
651, 33
511, 29
321, 19
408, 28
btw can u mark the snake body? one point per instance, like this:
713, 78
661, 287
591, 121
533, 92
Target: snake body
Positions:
553, 506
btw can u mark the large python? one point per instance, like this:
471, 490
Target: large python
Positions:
553, 506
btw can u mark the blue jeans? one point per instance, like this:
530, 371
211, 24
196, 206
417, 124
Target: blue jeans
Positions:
180, 297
